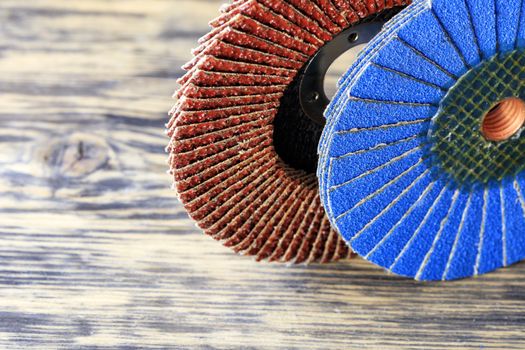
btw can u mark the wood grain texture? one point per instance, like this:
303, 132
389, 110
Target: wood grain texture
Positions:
96, 252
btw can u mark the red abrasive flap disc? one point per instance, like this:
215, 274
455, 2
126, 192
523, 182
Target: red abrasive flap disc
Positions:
243, 151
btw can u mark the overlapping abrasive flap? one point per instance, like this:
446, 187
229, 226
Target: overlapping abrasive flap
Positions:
405, 174
226, 170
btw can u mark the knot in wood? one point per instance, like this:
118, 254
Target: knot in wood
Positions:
77, 155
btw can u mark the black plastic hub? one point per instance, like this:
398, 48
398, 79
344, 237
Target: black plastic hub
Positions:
312, 95
299, 121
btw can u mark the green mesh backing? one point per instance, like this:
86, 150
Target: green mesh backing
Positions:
458, 145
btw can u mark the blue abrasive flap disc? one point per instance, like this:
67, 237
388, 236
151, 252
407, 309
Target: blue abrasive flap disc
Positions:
422, 160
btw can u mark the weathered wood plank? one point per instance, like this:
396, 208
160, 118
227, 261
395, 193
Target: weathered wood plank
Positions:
95, 251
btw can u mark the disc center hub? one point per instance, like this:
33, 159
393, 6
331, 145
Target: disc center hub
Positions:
312, 92
504, 120
477, 135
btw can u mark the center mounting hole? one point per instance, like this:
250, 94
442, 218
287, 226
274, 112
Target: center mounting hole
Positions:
339, 67
504, 120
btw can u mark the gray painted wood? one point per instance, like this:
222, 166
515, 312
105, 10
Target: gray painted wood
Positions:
96, 252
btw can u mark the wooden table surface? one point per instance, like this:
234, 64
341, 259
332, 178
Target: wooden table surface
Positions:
96, 252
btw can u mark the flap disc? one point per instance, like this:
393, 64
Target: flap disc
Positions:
245, 128
422, 162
